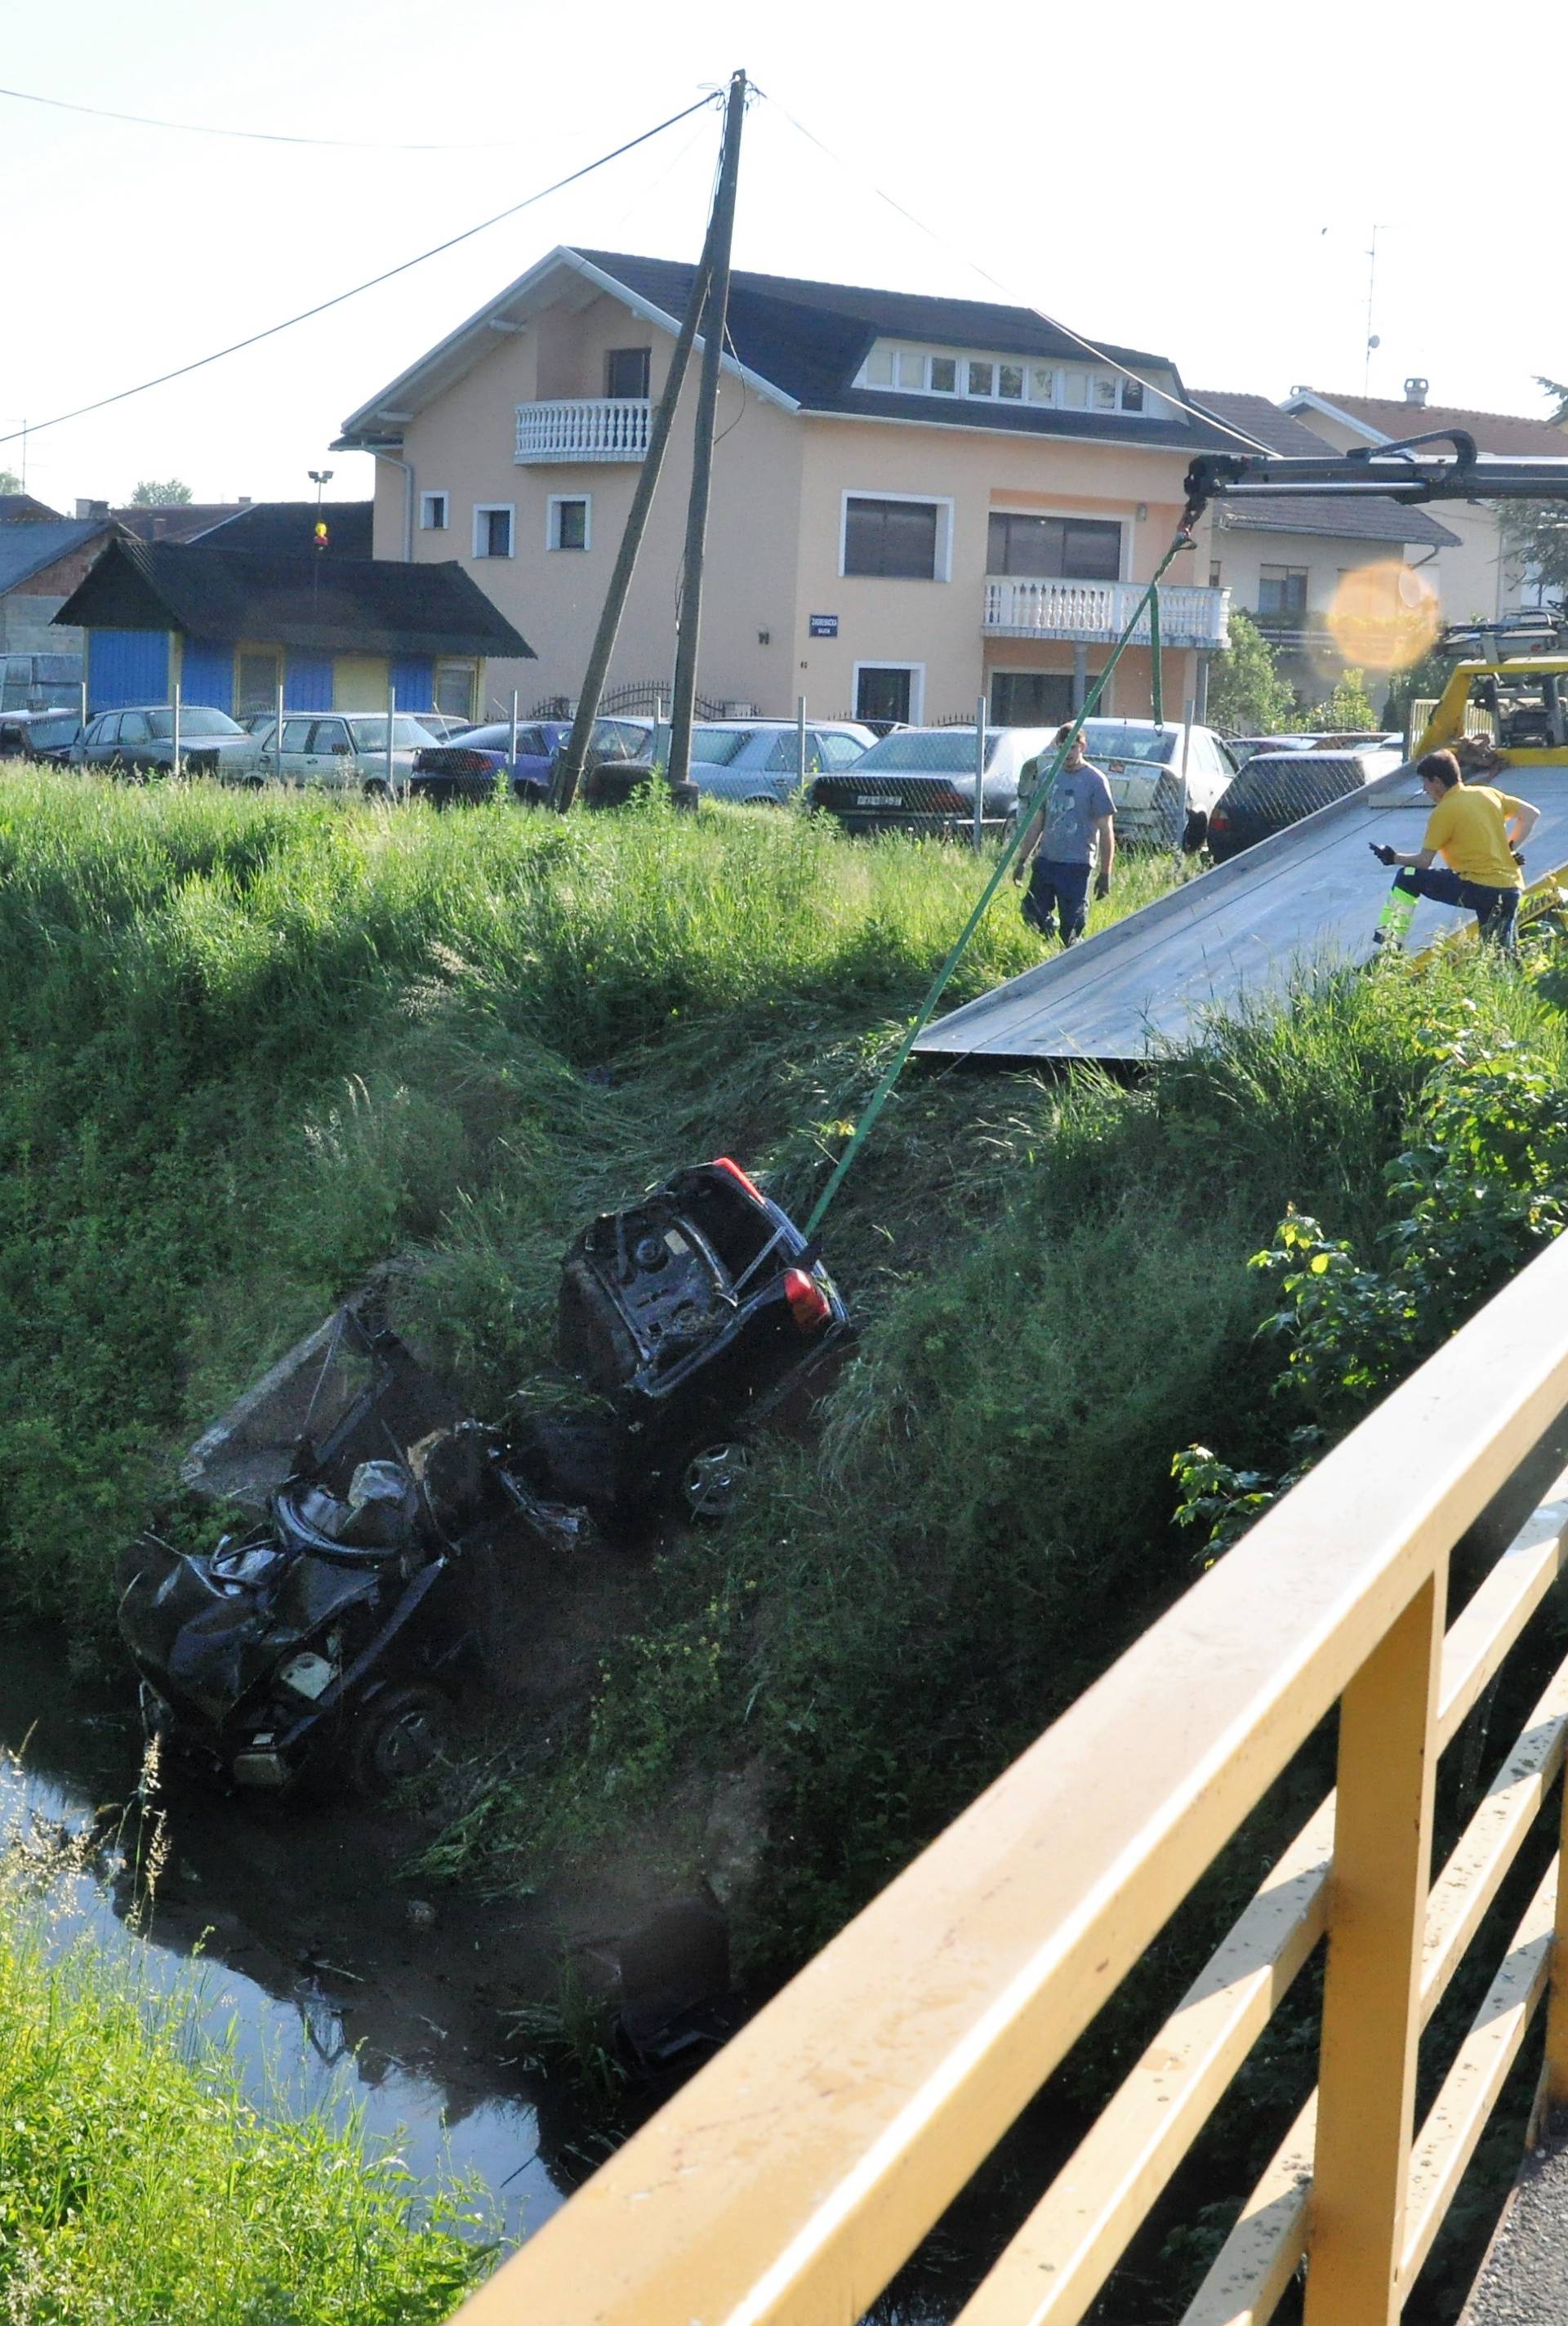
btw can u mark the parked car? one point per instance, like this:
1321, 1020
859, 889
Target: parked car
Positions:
344, 752
1243, 748
922, 779
140, 742
14, 726
443, 724
465, 769
754, 761
1277, 788
320, 1641
1143, 763
41, 734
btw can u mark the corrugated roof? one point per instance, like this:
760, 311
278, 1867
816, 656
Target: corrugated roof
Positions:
338, 605
26, 548
292, 525
1338, 519
21, 508
1494, 432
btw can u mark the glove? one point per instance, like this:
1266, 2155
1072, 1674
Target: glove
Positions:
1519, 856
1102, 884
1384, 854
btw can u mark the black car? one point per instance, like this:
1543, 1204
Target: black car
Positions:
1277, 788
463, 770
50, 735
695, 1315
325, 1638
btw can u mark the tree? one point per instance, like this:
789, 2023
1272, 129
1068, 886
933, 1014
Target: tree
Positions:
1247, 695
1422, 682
1555, 389
1346, 710
151, 493
1536, 532
10, 482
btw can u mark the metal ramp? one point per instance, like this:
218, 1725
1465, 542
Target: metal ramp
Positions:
1243, 934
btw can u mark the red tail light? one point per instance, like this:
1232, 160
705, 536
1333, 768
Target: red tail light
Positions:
727, 1163
809, 1303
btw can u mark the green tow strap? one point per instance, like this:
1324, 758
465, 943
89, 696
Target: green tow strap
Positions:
922, 1016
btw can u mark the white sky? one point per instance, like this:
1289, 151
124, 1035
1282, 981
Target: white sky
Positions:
1198, 182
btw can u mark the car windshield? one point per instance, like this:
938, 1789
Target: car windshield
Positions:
194, 721
926, 751
1114, 739
370, 734
716, 747
47, 732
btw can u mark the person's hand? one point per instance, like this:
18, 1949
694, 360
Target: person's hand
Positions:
1519, 856
1102, 884
1382, 852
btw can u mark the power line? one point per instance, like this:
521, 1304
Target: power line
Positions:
253, 137
181, 371
1194, 411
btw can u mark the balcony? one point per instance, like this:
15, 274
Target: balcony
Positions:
583, 428
1095, 613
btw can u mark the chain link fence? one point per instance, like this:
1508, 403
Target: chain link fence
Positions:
1277, 788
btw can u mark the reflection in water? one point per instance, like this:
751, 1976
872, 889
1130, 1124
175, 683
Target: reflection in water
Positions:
310, 1965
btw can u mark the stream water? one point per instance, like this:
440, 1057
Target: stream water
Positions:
312, 1964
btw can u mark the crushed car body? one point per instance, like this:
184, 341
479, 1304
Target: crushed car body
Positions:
326, 1636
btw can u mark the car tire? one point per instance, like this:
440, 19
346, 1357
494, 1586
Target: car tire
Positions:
1195, 832
761, 799
397, 1736
708, 1480
253, 783
687, 798
375, 788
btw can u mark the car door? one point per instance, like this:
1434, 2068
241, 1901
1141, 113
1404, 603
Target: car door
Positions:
135, 738
327, 759
97, 744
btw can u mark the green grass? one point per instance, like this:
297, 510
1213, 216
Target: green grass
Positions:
138, 2182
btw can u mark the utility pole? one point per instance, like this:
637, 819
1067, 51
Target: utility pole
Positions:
720, 233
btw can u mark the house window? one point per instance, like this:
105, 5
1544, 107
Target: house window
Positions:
258, 675
1282, 590
567, 526
901, 539
981, 377
1104, 392
1214, 575
493, 529
910, 370
1073, 390
879, 363
1010, 382
943, 375
1132, 395
454, 688
433, 512
1042, 383
1053, 548
889, 692
626, 371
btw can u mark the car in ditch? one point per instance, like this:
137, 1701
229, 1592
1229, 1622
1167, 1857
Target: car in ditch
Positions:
326, 1638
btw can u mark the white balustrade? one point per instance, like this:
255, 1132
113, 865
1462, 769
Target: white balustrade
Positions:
583, 428
1096, 612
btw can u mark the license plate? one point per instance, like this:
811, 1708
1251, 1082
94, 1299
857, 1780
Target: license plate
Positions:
868, 799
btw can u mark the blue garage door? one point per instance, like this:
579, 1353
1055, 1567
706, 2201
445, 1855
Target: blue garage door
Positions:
413, 682
308, 682
126, 666
206, 674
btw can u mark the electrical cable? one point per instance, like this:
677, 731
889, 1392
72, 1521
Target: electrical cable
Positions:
253, 137
1193, 411
36, 428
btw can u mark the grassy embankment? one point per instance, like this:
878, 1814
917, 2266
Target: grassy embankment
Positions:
251, 1045
138, 2185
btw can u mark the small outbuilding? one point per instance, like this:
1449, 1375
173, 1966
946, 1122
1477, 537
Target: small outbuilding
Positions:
229, 627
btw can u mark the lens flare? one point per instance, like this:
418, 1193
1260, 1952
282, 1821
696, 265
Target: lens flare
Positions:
1384, 617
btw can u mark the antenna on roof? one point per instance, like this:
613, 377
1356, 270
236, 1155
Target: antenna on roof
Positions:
1372, 338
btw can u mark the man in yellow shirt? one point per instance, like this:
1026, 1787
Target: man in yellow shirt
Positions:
1479, 833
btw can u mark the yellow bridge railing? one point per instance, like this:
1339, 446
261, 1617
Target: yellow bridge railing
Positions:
789, 2180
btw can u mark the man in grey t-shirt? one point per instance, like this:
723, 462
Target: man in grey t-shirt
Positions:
1071, 825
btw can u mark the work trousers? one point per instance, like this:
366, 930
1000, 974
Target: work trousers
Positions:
1495, 909
1061, 886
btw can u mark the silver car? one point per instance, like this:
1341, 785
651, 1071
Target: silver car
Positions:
343, 751
140, 741
755, 761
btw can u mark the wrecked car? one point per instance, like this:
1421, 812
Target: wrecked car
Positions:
327, 1635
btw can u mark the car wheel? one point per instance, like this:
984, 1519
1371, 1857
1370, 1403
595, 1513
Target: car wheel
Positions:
762, 799
377, 789
398, 1733
710, 1480
1195, 832
253, 783
686, 797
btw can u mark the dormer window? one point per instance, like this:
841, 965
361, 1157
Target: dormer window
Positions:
1001, 379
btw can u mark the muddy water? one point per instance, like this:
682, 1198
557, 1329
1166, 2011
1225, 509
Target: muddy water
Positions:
332, 1990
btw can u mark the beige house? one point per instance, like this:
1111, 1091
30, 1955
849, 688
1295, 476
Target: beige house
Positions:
1307, 568
915, 500
1479, 580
